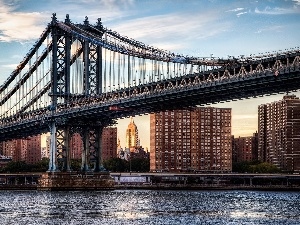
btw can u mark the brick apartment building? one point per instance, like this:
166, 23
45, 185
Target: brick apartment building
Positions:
279, 133
198, 139
245, 148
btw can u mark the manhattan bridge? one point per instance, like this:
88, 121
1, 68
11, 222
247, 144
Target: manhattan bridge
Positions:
80, 78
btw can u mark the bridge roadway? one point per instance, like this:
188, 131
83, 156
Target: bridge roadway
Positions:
180, 92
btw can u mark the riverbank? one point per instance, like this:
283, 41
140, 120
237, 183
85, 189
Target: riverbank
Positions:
149, 181
159, 187
207, 187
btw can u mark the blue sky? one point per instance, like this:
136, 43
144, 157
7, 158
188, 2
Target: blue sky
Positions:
189, 27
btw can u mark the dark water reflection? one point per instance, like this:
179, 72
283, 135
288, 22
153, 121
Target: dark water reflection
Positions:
150, 207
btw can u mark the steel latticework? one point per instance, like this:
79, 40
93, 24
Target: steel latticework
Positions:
81, 77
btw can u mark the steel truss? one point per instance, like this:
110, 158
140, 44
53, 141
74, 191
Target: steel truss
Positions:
60, 133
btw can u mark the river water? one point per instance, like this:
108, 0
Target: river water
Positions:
149, 207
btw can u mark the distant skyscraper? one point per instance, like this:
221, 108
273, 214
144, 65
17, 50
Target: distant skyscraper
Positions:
198, 139
279, 133
132, 137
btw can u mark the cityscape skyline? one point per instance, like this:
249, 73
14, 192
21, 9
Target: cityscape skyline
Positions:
209, 28
244, 119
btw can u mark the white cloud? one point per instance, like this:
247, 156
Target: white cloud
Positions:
19, 26
297, 2
24, 26
173, 29
275, 11
10, 66
235, 10
241, 13
108, 10
270, 29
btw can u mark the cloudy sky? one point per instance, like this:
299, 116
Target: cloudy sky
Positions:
190, 27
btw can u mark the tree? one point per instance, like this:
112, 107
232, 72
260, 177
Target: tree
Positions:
140, 165
18, 166
254, 167
116, 165
40, 166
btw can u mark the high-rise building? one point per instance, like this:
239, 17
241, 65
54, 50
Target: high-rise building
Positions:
132, 137
109, 143
196, 139
279, 133
7, 147
244, 148
33, 152
28, 150
76, 146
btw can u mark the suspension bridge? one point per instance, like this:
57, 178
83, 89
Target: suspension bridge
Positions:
79, 78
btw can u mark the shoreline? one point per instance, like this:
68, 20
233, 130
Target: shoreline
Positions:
200, 188
155, 187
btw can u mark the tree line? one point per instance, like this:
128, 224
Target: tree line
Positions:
113, 165
134, 165
254, 167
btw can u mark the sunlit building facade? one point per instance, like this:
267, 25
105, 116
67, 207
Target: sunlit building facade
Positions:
132, 136
185, 140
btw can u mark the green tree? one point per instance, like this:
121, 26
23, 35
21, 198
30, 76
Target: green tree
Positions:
140, 165
116, 165
40, 166
18, 166
76, 164
265, 168
254, 167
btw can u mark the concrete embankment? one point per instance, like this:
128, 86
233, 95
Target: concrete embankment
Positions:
149, 181
209, 187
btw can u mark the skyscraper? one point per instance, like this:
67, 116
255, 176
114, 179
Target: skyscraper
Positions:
279, 133
197, 139
132, 137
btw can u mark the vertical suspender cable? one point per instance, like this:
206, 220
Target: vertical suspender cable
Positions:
104, 73
128, 70
114, 74
124, 67
109, 75
119, 66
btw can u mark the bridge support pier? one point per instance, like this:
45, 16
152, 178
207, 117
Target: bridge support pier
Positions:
53, 150
60, 149
91, 154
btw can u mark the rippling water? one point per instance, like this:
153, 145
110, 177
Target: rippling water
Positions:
149, 207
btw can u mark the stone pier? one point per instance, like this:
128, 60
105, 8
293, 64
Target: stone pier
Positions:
75, 181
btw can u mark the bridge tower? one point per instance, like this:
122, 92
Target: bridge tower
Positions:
61, 130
